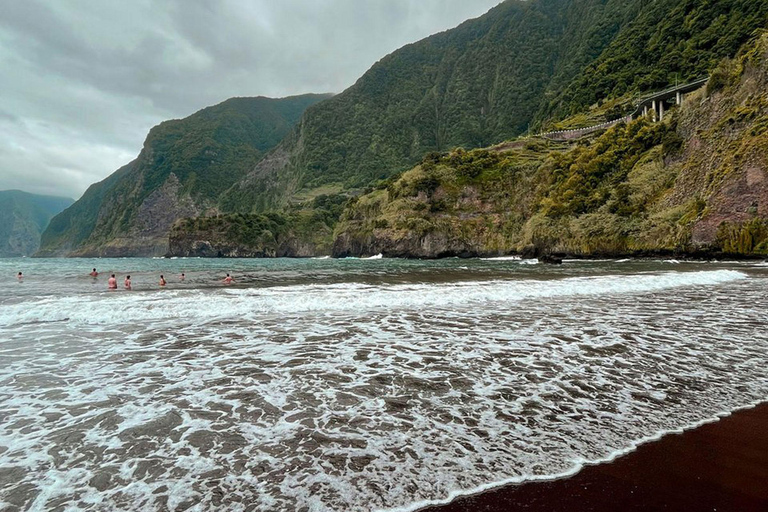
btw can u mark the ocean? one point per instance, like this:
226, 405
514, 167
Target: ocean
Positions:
355, 385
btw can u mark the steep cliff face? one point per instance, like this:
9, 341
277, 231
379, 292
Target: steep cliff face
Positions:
523, 63
182, 170
23, 217
697, 182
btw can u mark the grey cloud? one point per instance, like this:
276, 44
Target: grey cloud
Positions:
84, 81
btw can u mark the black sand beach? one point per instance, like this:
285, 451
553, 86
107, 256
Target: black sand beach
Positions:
719, 466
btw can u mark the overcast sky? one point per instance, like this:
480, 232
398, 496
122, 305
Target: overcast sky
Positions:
82, 82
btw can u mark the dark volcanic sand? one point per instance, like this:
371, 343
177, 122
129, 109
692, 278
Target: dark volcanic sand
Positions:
719, 466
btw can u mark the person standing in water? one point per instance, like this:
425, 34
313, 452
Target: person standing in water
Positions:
20, 277
94, 273
182, 277
112, 283
227, 280
162, 280
127, 282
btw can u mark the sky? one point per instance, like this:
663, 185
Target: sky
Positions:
82, 82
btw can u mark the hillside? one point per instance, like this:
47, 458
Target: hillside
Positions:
182, 169
488, 80
696, 183
536, 64
23, 217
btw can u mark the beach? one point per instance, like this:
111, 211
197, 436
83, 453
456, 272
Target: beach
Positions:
382, 385
718, 466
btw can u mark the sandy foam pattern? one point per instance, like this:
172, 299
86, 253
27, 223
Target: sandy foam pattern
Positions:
334, 398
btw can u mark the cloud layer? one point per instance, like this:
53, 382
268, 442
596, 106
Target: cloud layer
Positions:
83, 82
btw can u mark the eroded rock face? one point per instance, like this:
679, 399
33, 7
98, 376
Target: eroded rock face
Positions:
743, 197
410, 245
146, 234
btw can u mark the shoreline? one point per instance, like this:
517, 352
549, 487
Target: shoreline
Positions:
636, 256
716, 464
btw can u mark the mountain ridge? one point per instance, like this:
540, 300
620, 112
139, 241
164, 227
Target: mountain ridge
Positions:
554, 64
490, 79
184, 165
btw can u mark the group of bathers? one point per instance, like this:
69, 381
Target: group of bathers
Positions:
112, 281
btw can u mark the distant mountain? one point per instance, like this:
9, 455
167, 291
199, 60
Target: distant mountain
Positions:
182, 169
23, 217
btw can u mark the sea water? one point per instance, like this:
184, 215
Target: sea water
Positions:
355, 385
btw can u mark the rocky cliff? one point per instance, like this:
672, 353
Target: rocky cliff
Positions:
181, 171
300, 231
695, 183
521, 65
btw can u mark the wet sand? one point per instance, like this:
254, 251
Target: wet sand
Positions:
719, 466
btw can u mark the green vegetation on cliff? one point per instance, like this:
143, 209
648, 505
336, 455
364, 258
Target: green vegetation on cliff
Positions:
181, 171
535, 63
697, 181
23, 217
300, 231
522, 64
667, 41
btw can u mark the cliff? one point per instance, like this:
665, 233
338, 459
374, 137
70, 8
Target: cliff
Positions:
523, 64
181, 171
695, 183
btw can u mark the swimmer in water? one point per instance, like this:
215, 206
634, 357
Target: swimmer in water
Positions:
94, 273
227, 280
127, 282
162, 281
112, 283
182, 277
20, 276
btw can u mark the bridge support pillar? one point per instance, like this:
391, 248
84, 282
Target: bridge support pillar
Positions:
679, 98
661, 110
645, 111
655, 108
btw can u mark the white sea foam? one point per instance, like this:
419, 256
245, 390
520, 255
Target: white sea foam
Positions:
503, 258
186, 305
363, 396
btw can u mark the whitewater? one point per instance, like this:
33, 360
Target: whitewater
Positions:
358, 385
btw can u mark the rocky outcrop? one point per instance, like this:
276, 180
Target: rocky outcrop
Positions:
218, 245
411, 245
246, 236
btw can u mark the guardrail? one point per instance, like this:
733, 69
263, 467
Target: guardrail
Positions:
643, 103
